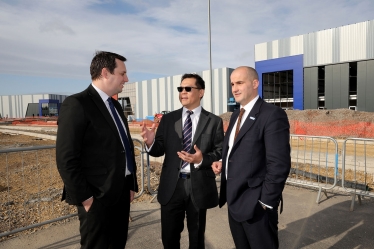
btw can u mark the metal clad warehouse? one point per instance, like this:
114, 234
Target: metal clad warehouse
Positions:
328, 69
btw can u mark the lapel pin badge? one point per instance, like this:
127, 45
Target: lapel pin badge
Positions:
253, 118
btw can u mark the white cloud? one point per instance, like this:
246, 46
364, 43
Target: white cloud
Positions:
59, 38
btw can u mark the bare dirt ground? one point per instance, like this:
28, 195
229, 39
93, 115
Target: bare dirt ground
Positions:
31, 188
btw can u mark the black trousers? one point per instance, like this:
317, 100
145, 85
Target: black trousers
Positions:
260, 232
105, 227
173, 214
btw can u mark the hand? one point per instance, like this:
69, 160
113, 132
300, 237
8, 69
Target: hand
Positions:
191, 158
87, 204
132, 194
148, 135
217, 167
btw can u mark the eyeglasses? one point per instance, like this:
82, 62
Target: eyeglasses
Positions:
187, 88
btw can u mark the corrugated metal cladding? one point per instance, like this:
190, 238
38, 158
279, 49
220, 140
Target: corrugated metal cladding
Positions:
15, 106
342, 44
153, 96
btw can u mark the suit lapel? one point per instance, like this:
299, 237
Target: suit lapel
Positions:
178, 123
233, 119
251, 118
203, 121
104, 110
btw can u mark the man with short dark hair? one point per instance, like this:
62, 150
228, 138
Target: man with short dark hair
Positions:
95, 155
191, 139
255, 164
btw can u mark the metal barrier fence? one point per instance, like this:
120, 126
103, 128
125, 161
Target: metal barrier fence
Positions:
314, 162
31, 188
30, 185
358, 163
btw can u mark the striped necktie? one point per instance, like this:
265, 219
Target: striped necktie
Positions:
187, 135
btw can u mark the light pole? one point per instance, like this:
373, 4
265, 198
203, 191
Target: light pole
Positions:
210, 59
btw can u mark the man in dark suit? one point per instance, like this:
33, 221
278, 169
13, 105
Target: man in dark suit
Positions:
255, 164
95, 155
191, 142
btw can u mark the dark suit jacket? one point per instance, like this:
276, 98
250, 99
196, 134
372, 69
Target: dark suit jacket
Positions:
259, 162
89, 153
169, 140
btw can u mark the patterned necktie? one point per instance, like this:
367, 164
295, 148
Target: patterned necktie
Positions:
187, 135
125, 140
239, 121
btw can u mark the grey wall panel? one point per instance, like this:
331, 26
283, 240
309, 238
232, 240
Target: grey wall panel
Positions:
329, 87
139, 112
270, 50
344, 85
370, 40
310, 49
311, 88
149, 96
284, 47
307, 87
336, 86
335, 45
361, 85
370, 87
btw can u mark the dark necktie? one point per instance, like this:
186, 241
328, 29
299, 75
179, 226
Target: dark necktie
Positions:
238, 124
125, 140
187, 135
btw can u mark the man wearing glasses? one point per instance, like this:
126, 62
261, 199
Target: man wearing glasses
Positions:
191, 140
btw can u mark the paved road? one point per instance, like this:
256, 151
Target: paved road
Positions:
303, 224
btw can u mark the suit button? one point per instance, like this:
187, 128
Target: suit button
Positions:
122, 151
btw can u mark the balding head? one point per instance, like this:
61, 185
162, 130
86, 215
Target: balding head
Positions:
244, 84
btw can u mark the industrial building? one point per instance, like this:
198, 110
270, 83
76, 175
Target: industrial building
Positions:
32, 105
328, 69
147, 97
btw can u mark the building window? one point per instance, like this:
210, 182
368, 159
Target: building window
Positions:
321, 87
277, 88
352, 85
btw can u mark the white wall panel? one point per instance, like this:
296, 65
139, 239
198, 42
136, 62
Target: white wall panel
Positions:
353, 42
207, 100
154, 97
275, 49
324, 47
296, 45
261, 51
176, 82
162, 96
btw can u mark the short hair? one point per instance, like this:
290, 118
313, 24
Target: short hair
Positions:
103, 59
200, 83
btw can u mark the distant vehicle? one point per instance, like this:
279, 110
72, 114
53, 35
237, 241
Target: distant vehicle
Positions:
158, 116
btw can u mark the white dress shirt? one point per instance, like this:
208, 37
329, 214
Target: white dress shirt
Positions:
105, 97
248, 108
195, 120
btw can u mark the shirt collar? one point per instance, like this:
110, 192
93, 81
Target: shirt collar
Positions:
196, 111
248, 107
102, 94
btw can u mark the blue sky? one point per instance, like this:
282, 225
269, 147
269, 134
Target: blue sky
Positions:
47, 46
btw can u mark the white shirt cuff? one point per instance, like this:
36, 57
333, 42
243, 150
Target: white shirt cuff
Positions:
263, 204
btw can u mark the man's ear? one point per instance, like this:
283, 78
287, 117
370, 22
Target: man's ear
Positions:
255, 83
201, 93
104, 73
